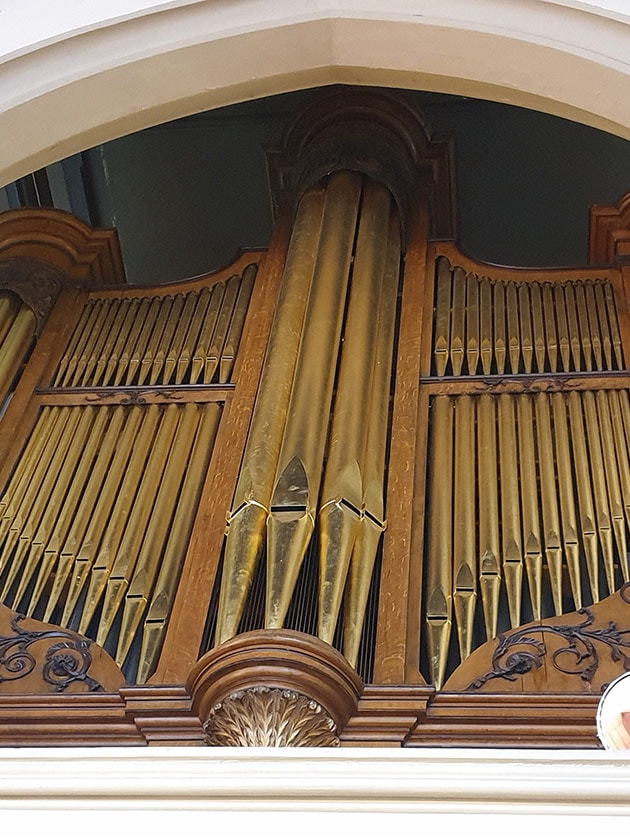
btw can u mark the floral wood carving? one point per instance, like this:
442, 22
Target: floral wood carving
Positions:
270, 717
577, 656
67, 660
39, 658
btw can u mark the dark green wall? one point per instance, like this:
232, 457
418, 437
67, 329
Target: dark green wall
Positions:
187, 195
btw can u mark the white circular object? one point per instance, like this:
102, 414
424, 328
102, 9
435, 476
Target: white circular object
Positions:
615, 700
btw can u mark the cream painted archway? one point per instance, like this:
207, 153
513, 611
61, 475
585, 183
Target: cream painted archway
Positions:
73, 75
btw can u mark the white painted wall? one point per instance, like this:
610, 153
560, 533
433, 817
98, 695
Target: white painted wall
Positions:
74, 74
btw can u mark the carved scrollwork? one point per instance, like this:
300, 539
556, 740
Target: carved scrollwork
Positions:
270, 717
520, 653
66, 661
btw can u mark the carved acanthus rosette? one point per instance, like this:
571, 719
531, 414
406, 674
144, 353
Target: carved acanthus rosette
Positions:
274, 688
270, 717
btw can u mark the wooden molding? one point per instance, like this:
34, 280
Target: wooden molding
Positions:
58, 239
609, 233
292, 662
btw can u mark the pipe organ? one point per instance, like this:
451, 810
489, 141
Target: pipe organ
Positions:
356, 488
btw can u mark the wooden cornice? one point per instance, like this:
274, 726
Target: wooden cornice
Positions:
609, 233
84, 255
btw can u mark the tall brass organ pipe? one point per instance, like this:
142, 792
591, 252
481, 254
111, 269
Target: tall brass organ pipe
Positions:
345, 244
17, 331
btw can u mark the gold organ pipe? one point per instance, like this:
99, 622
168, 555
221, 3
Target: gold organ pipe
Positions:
111, 308
196, 323
19, 508
38, 498
500, 335
36, 455
485, 325
564, 341
439, 570
464, 548
155, 532
174, 351
551, 335
138, 350
123, 560
296, 489
236, 324
246, 522
96, 508
93, 331
472, 323
593, 321
342, 489
159, 358
621, 451
14, 348
442, 316
604, 328
132, 340
564, 472
32, 466
110, 343
72, 346
574, 329
525, 318
598, 478
9, 308
549, 499
31, 456
92, 308
510, 512
166, 584
56, 522
220, 333
489, 552
513, 332
538, 323
458, 322
614, 325
372, 523
78, 522
584, 325
120, 344
155, 339
529, 502
585, 497
205, 335
613, 480
119, 520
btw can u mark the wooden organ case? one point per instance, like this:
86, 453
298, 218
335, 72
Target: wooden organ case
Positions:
357, 489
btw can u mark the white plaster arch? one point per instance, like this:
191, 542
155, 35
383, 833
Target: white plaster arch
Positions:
76, 74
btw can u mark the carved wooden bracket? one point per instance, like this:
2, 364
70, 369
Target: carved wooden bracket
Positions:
609, 233
274, 688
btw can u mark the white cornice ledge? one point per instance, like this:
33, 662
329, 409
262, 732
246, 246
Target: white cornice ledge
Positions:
345, 780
